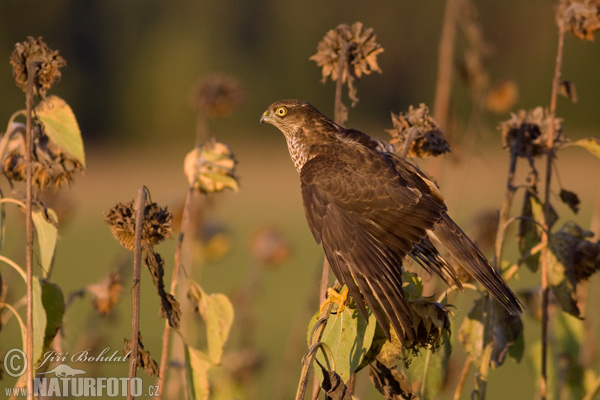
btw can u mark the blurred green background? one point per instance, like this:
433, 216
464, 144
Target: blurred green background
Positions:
131, 66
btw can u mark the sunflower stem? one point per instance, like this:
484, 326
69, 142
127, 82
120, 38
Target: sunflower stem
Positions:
550, 150
308, 360
339, 106
185, 219
135, 296
32, 67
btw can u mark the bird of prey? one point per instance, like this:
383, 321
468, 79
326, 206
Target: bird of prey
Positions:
369, 208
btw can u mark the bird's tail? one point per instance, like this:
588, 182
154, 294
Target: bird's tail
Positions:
463, 250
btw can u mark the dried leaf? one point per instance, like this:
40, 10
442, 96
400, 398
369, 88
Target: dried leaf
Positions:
391, 383
169, 307
561, 274
567, 89
106, 293
334, 387
144, 358
210, 167
502, 97
529, 232
570, 199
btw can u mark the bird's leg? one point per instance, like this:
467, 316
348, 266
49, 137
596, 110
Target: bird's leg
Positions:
335, 297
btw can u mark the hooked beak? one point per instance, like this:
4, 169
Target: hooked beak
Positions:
265, 117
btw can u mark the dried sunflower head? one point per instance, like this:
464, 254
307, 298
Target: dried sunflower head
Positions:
210, 167
51, 165
217, 95
157, 224
361, 54
270, 248
106, 293
47, 63
526, 132
580, 17
420, 128
502, 96
430, 322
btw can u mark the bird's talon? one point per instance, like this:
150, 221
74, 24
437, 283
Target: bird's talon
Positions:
336, 298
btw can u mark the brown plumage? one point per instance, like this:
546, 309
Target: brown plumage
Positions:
369, 208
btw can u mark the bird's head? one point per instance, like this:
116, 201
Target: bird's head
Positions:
290, 116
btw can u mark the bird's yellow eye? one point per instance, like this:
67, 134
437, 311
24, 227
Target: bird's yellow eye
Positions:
281, 111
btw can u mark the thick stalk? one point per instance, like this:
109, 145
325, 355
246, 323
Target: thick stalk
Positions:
140, 207
338, 111
32, 67
185, 218
308, 360
546, 251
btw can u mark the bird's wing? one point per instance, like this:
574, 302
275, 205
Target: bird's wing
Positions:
368, 217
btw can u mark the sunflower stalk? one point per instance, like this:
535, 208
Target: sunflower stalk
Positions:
339, 110
550, 154
135, 296
185, 218
308, 360
32, 67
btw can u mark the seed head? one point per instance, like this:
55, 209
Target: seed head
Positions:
51, 165
580, 17
46, 61
361, 56
156, 228
210, 167
527, 132
217, 95
420, 128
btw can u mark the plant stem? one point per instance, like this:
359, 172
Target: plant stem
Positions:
307, 362
31, 73
463, 378
16, 267
547, 210
445, 62
140, 207
185, 218
508, 198
338, 112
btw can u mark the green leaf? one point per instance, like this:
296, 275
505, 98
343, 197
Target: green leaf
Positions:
349, 337
197, 365
412, 285
591, 144
39, 320
217, 312
48, 311
560, 273
59, 123
529, 232
46, 234
432, 368
53, 301
502, 330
